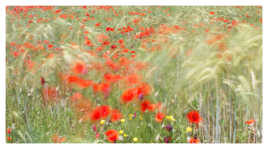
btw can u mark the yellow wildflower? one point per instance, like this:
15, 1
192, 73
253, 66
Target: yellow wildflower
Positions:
170, 117
141, 118
130, 116
189, 129
135, 139
121, 131
122, 120
102, 122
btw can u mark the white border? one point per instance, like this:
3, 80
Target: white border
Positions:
5, 3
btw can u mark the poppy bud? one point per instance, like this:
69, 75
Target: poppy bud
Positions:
9, 130
97, 135
135, 114
94, 128
42, 81
140, 96
169, 127
167, 139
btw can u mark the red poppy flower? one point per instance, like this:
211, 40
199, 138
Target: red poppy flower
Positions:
116, 115
105, 111
50, 46
105, 43
100, 112
105, 88
143, 89
9, 130
84, 83
79, 68
58, 139
95, 115
194, 117
88, 42
58, 11
112, 65
97, 24
121, 41
76, 96
128, 95
50, 94
63, 16
212, 13
249, 122
112, 135
16, 53
145, 105
113, 47
152, 107
112, 78
72, 79
159, 116
234, 22
79, 81
109, 29
95, 87
194, 140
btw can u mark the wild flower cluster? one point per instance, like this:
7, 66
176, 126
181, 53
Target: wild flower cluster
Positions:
104, 74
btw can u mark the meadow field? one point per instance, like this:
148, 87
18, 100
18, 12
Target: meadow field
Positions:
134, 74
